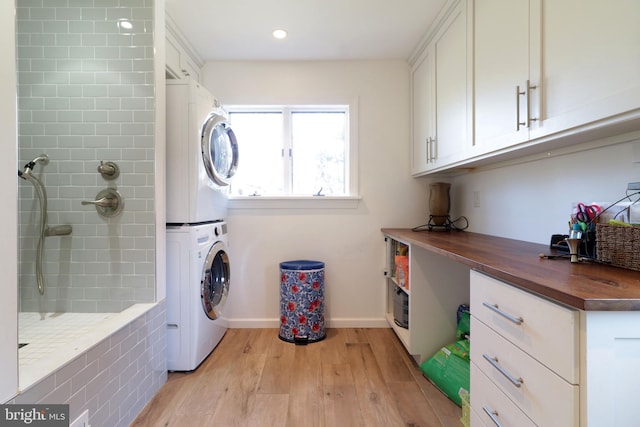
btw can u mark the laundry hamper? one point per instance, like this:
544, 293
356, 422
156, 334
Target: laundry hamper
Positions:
302, 301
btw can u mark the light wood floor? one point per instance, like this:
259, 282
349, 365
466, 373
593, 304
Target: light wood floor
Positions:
354, 377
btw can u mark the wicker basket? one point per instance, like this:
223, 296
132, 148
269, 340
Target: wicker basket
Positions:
618, 245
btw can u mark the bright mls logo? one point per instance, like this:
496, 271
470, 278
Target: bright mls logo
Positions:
34, 415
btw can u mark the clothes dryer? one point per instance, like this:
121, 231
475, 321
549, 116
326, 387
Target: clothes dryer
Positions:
198, 273
202, 154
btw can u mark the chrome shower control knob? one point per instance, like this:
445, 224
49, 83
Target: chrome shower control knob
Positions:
108, 170
108, 203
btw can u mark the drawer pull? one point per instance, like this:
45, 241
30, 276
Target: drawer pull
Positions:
494, 307
494, 362
493, 415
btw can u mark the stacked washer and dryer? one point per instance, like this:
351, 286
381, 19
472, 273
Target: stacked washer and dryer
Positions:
202, 157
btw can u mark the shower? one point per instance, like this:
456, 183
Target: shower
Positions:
44, 230
86, 98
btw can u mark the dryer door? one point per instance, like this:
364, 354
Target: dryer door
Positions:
215, 280
219, 149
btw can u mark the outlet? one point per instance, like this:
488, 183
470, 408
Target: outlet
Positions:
476, 199
633, 186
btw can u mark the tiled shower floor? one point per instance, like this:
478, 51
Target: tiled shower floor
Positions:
46, 337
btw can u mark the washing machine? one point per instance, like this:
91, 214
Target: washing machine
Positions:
198, 273
201, 152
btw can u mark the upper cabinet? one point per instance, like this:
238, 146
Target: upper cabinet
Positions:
541, 74
591, 64
507, 72
181, 59
441, 107
423, 112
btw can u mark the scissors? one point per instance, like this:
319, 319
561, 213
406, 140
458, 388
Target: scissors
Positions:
587, 213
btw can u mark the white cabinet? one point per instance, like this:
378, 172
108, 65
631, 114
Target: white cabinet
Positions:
423, 112
528, 348
441, 104
179, 62
591, 63
436, 287
507, 72
553, 69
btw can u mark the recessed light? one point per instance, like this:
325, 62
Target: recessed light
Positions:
279, 33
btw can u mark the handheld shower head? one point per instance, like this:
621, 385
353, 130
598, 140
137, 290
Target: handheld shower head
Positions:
42, 158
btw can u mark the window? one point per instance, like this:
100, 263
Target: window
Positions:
292, 150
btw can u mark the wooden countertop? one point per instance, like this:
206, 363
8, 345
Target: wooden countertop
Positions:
584, 285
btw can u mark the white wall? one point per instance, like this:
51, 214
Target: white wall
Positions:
532, 200
347, 240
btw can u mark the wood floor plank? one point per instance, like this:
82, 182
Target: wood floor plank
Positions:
306, 407
276, 378
269, 410
205, 393
355, 335
332, 347
236, 403
389, 357
375, 400
160, 410
414, 408
340, 396
259, 340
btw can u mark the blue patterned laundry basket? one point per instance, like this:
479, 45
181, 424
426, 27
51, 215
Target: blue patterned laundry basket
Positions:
302, 301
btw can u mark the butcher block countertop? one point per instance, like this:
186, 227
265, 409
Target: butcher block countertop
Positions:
585, 285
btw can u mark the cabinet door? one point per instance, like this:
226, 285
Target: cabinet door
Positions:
591, 61
178, 62
422, 104
506, 38
450, 47
173, 57
440, 96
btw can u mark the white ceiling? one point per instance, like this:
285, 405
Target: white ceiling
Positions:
318, 29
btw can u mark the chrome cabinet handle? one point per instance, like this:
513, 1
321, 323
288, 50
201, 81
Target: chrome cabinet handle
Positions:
427, 142
494, 362
510, 317
493, 415
430, 149
518, 94
529, 89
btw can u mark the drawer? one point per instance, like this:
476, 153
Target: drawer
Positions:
541, 394
487, 399
543, 329
475, 420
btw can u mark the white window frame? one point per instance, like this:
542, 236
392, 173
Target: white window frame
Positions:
348, 201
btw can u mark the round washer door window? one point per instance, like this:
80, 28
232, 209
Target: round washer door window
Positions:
219, 149
215, 281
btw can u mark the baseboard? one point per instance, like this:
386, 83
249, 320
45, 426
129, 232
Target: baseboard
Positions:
330, 323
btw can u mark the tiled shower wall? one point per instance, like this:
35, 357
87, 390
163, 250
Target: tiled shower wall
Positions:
115, 379
86, 94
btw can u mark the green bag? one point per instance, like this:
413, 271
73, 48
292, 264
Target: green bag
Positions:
464, 326
448, 369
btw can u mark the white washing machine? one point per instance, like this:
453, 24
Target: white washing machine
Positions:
198, 273
202, 154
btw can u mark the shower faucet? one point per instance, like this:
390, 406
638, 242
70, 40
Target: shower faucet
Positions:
108, 170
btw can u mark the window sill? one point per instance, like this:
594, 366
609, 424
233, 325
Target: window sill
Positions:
293, 202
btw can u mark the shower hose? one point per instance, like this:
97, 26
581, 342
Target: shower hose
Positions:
42, 198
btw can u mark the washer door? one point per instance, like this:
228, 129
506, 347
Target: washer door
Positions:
219, 149
215, 280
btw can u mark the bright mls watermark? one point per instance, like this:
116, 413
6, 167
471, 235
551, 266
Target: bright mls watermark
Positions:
34, 415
